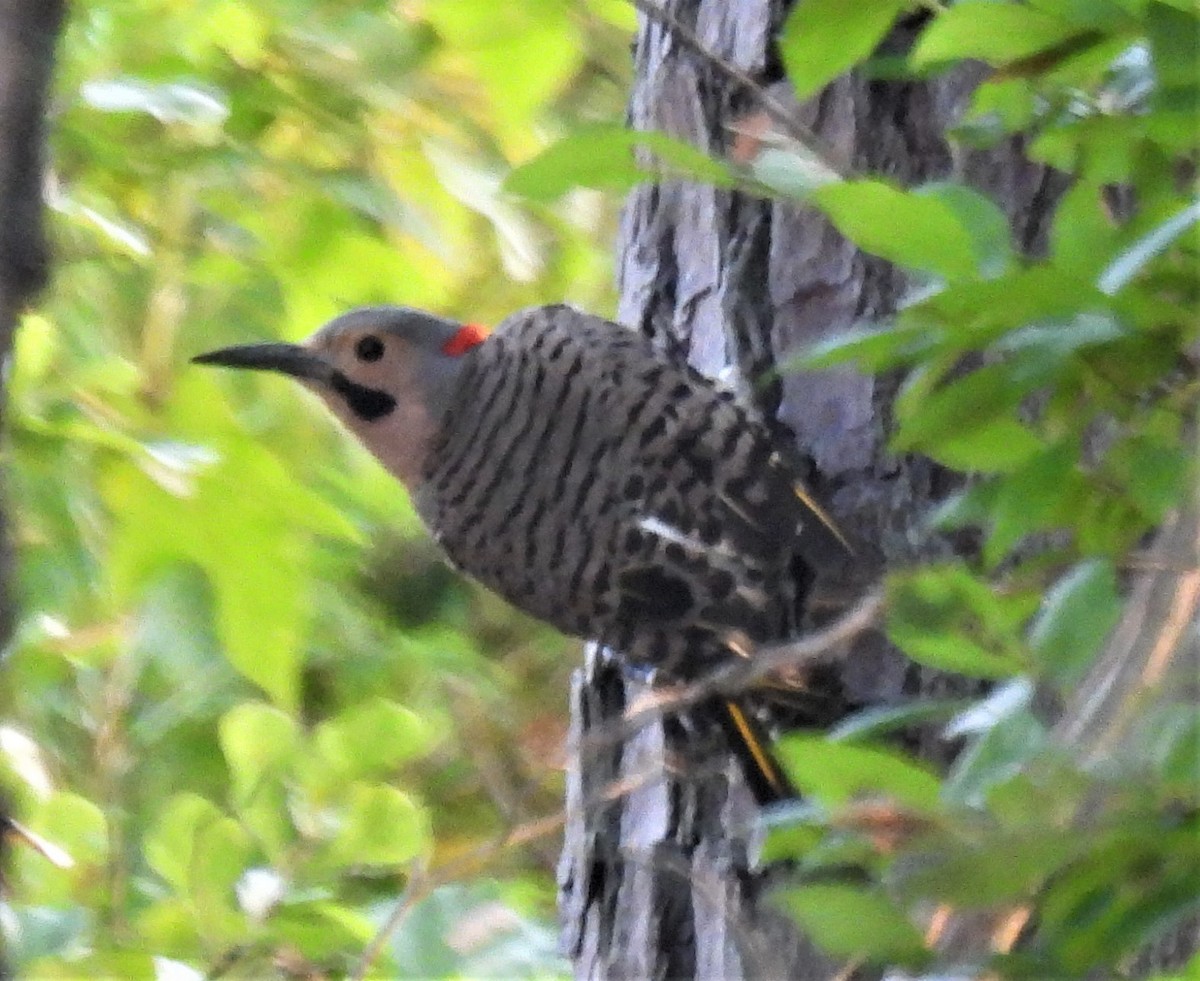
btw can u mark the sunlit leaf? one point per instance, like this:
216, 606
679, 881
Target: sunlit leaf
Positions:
945, 617
169, 846
823, 38
168, 102
372, 738
611, 158
380, 826
1129, 263
1076, 616
849, 922
78, 831
911, 230
997, 33
256, 739
836, 773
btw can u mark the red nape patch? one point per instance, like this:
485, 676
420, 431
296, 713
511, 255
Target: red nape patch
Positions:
465, 338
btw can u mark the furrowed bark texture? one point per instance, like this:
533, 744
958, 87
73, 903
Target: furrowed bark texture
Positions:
654, 880
28, 30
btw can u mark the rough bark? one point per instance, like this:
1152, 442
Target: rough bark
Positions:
655, 882
28, 30
655, 879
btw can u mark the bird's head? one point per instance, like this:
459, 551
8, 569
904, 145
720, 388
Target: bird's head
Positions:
387, 373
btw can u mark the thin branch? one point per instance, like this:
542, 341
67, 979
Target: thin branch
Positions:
826, 646
773, 107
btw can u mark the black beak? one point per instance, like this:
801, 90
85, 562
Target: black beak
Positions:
287, 359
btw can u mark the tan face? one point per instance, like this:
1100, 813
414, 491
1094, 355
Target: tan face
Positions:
372, 357
385, 372
375, 391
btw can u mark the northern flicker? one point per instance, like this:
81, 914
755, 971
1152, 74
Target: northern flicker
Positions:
586, 476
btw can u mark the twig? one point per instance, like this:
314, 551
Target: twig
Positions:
823, 647
772, 106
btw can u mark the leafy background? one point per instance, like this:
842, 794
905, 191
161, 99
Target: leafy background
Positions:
244, 696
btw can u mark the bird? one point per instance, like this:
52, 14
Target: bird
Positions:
586, 474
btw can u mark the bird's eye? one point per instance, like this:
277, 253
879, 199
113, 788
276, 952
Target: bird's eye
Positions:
369, 348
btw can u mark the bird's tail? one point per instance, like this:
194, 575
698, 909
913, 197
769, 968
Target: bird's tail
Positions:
750, 744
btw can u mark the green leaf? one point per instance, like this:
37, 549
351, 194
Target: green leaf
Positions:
998, 446
836, 773
608, 157
977, 313
242, 521
1175, 42
874, 350
998, 107
257, 741
78, 831
944, 617
848, 922
316, 928
1126, 888
979, 404
524, 53
372, 738
823, 38
998, 33
380, 826
1002, 751
1077, 614
1004, 867
920, 232
221, 854
125, 964
1082, 233
882, 720
1045, 493
984, 222
1153, 473
790, 836
1134, 259
169, 102
168, 846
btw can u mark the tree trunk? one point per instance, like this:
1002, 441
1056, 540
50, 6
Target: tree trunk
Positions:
28, 30
654, 881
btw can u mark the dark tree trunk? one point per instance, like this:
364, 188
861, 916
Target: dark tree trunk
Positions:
28, 30
654, 882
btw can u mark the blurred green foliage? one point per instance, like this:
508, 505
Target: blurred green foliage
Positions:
1066, 384
245, 696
